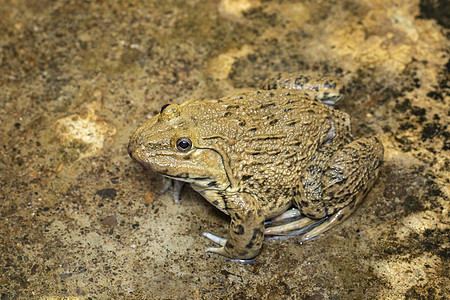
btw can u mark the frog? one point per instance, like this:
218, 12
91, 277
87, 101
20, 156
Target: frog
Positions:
264, 157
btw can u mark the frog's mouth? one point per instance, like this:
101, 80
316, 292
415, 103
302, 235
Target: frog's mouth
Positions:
186, 178
146, 165
147, 160
204, 181
144, 158
201, 167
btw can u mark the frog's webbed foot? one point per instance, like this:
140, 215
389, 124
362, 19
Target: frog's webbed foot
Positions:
294, 227
290, 214
307, 227
310, 228
177, 188
330, 222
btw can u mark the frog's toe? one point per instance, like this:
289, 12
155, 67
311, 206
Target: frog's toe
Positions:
290, 227
215, 239
329, 223
242, 261
218, 250
307, 237
218, 240
215, 250
177, 188
223, 252
287, 215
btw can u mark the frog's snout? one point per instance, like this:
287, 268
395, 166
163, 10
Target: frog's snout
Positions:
132, 147
134, 153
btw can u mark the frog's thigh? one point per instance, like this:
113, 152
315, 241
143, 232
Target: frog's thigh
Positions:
346, 178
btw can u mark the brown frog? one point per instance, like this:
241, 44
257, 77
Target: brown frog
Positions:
255, 154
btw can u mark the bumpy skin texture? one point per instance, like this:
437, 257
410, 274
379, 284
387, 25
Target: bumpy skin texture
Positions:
255, 154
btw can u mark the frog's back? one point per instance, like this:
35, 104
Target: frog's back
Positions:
257, 113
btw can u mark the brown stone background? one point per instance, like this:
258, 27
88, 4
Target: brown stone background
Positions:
79, 219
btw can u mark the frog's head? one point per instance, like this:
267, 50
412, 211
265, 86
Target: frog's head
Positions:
168, 144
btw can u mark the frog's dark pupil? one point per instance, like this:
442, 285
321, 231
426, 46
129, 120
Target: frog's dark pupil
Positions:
184, 144
163, 107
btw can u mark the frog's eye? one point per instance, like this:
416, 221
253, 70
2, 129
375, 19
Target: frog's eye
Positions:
184, 144
163, 107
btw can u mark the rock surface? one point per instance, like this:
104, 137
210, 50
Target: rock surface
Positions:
79, 219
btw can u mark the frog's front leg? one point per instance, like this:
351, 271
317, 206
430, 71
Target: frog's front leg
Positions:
177, 188
246, 232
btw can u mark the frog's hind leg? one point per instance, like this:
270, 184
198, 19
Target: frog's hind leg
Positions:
293, 228
290, 214
329, 90
287, 228
336, 190
329, 223
289, 223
